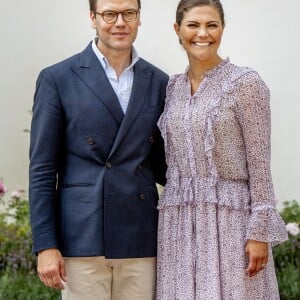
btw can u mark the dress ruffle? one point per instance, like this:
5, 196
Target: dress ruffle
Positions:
209, 139
266, 225
196, 191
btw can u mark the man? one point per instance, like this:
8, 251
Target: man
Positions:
95, 155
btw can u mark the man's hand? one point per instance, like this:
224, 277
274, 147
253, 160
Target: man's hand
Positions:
257, 253
51, 268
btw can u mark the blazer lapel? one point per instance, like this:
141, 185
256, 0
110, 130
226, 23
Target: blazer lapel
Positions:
92, 74
141, 81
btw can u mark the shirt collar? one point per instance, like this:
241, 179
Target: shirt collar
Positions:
104, 62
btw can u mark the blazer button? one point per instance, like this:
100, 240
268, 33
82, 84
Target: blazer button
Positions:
108, 165
141, 196
140, 167
90, 141
151, 139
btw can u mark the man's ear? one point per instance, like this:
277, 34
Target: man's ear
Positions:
93, 19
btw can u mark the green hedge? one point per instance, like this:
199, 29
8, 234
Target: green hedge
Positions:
24, 285
18, 277
287, 256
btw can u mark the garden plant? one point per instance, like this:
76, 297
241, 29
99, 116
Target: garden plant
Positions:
18, 278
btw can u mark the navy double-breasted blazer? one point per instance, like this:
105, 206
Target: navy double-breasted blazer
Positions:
93, 169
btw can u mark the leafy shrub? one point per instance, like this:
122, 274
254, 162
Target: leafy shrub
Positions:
18, 278
15, 236
287, 255
23, 285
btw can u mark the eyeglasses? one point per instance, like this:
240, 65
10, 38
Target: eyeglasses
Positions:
110, 17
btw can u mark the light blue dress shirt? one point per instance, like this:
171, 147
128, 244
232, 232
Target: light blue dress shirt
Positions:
122, 85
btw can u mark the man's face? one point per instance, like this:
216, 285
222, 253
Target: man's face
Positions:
118, 36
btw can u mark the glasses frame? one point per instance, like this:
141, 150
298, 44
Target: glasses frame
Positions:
117, 13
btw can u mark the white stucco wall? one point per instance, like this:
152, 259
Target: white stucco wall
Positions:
260, 34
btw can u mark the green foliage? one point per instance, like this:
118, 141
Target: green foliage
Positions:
287, 256
23, 285
289, 283
18, 278
15, 236
291, 212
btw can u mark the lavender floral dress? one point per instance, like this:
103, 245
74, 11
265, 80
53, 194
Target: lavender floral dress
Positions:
219, 191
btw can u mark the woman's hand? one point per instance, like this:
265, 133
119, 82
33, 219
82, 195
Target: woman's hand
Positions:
257, 253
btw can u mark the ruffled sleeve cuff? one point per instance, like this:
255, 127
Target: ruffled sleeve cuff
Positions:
266, 225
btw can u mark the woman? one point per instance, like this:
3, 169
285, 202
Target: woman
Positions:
217, 212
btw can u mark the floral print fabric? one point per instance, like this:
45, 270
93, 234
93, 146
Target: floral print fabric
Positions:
219, 191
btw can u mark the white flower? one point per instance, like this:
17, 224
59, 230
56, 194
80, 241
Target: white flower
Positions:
293, 228
15, 195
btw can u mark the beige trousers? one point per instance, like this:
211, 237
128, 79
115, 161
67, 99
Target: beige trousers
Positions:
98, 278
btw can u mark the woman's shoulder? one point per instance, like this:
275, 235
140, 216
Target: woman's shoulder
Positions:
247, 84
241, 78
176, 79
242, 74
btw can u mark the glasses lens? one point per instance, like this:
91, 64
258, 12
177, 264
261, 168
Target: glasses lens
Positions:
110, 16
129, 15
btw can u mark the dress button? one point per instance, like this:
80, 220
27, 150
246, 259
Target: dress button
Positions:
90, 141
141, 196
151, 139
140, 167
108, 165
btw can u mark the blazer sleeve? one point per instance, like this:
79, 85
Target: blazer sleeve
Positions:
158, 158
253, 110
45, 142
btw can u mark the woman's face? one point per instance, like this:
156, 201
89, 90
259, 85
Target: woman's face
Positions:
201, 32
